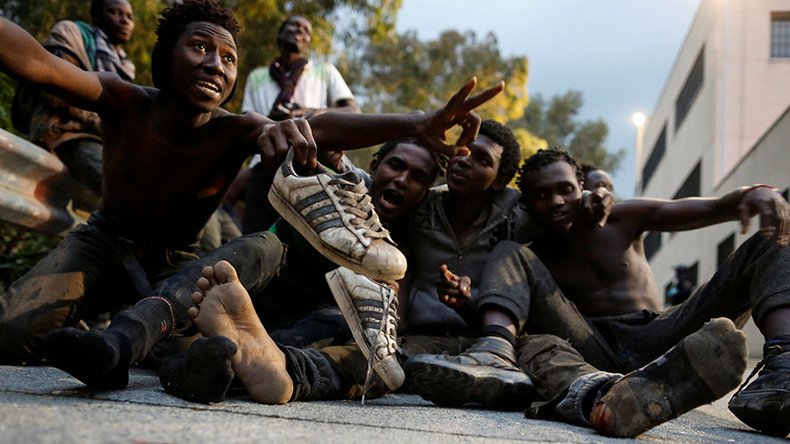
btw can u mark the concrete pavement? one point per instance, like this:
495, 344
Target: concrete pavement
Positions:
45, 405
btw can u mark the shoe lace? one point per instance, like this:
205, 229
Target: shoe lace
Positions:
388, 330
770, 352
357, 202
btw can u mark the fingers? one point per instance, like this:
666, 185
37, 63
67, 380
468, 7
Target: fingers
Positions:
483, 97
470, 126
275, 141
465, 286
458, 99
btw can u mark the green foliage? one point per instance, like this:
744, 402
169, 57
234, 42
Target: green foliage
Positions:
259, 21
404, 73
557, 124
21, 249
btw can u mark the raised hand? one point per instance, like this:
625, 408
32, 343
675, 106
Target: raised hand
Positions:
458, 111
597, 204
774, 213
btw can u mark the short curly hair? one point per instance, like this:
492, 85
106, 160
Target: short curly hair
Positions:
511, 150
542, 159
173, 22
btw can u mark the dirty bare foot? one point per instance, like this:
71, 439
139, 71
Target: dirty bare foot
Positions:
223, 308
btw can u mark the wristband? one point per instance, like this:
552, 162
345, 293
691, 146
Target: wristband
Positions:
761, 185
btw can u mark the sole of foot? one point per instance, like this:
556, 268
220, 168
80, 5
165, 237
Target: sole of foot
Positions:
98, 359
201, 374
224, 308
703, 367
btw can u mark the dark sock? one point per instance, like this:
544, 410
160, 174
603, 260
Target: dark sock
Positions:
100, 359
201, 374
500, 332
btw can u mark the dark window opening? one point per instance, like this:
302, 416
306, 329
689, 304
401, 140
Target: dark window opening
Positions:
780, 34
691, 186
652, 244
725, 249
655, 158
690, 89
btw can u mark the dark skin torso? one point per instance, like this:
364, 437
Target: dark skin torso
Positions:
162, 181
603, 270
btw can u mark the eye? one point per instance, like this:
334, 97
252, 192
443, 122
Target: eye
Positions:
567, 189
199, 46
229, 59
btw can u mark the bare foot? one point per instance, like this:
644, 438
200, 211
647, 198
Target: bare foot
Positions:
224, 308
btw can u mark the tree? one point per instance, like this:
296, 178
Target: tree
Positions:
404, 74
259, 21
557, 124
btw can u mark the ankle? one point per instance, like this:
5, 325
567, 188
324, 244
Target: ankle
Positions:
499, 332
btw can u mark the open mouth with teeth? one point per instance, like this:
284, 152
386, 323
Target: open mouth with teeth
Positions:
208, 87
390, 199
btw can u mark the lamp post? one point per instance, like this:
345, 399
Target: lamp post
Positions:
639, 120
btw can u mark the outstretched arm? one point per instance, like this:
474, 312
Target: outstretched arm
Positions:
23, 58
333, 131
687, 214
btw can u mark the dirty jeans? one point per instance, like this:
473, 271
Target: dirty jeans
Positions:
339, 372
755, 277
85, 276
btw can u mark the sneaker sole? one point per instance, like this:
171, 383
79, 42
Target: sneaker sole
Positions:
390, 371
454, 385
297, 221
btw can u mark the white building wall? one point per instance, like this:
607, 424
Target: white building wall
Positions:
737, 125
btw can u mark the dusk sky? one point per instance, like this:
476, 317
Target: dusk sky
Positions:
618, 53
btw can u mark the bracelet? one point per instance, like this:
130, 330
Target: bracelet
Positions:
761, 185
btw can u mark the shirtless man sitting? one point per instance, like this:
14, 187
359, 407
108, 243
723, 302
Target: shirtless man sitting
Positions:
603, 271
170, 154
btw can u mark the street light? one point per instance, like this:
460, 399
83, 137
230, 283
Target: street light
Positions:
639, 120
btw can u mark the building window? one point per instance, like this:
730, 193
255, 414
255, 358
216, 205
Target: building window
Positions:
780, 34
690, 89
725, 249
655, 158
652, 244
691, 186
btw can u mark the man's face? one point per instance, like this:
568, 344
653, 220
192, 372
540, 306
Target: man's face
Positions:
476, 171
117, 20
400, 180
295, 35
598, 178
204, 65
552, 195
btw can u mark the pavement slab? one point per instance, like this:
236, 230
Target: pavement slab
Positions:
46, 405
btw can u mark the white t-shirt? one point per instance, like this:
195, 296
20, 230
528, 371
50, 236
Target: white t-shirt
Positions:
320, 86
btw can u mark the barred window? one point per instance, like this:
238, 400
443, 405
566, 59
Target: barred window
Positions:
780, 34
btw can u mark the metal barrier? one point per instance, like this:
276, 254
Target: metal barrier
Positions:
36, 190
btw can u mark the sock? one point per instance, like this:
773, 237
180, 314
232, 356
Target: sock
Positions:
500, 332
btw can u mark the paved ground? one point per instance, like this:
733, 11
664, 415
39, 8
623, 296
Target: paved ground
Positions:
42, 404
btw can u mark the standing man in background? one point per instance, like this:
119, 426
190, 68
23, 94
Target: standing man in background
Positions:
73, 134
292, 86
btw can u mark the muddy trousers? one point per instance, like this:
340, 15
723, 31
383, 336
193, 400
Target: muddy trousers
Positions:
754, 278
339, 372
88, 274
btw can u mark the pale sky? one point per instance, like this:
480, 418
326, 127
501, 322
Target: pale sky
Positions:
618, 53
